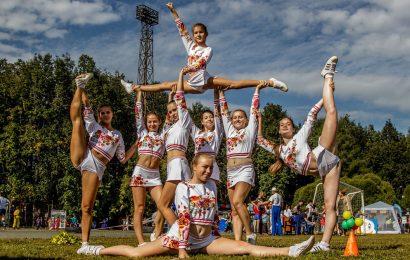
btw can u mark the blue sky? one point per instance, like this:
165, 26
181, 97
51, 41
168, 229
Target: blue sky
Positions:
289, 40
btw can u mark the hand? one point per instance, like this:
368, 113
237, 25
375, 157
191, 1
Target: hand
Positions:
170, 6
221, 93
184, 70
261, 85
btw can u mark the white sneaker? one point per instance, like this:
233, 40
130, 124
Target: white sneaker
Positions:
251, 239
89, 250
152, 237
302, 248
330, 66
321, 246
278, 84
82, 79
127, 86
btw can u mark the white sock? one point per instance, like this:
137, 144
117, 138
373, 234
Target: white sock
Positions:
84, 243
328, 75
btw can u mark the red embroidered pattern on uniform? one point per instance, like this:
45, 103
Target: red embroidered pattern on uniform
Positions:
184, 220
138, 181
180, 100
150, 142
201, 204
202, 141
106, 139
290, 154
170, 242
232, 142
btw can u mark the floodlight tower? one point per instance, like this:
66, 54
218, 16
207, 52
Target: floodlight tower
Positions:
148, 18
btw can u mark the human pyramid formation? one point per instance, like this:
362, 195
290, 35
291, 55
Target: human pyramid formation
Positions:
194, 193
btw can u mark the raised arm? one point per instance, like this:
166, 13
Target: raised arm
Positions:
217, 113
183, 32
139, 120
311, 118
254, 111
89, 119
223, 104
123, 156
183, 115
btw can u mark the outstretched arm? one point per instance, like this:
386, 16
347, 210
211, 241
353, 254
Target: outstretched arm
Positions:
223, 104
261, 141
311, 118
253, 121
139, 120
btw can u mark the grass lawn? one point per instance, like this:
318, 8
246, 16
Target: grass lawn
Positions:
370, 246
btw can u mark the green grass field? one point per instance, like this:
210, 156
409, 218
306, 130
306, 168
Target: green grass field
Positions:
370, 246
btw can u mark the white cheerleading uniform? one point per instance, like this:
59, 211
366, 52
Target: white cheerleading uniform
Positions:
176, 138
149, 143
297, 154
196, 204
209, 142
198, 58
240, 143
106, 142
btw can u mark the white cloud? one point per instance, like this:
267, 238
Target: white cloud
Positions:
47, 17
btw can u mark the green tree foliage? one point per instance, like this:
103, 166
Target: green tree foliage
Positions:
405, 201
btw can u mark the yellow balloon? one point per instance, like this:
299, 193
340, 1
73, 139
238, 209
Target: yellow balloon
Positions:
358, 222
347, 214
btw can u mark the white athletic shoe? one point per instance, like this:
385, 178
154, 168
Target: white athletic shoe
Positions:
82, 79
320, 246
127, 86
89, 250
278, 84
251, 239
152, 237
302, 248
330, 66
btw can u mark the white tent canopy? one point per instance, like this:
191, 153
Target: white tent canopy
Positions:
383, 217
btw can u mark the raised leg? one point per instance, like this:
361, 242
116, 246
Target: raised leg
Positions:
78, 144
166, 86
139, 196
167, 195
89, 183
226, 84
328, 136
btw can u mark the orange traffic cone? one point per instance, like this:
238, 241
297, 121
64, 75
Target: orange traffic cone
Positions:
351, 246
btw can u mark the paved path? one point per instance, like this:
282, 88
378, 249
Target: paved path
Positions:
42, 233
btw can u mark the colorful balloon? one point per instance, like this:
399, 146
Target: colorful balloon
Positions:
358, 222
347, 215
345, 225
350, 223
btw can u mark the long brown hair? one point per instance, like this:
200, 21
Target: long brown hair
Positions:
278, 165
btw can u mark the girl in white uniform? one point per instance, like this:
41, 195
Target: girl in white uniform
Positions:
176, 143
199, 55
296, 154
192, 232
91, 158
208, 139
151, 148
240, 140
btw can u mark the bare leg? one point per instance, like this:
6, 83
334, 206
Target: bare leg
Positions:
139, 196
168, 86
148, 249
159, 218
78, 144
240, 193
224, 246
237, 225
231, 84
167, 195
328, 136
90, 183
330, 190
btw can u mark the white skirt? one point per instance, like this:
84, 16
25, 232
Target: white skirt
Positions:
178, 170
144, 177
215, 172
92, 164
244, 173
171, 239
199, 80
326, 160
